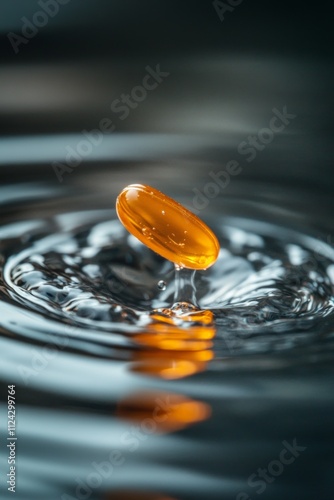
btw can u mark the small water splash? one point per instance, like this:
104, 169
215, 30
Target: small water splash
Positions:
96, 277
185, 307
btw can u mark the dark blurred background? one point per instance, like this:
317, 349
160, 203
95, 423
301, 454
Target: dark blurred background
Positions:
227, 71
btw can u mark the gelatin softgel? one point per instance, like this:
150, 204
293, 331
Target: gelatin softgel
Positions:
167, 227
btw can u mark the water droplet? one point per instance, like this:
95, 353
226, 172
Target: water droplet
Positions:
163, 212
162, 285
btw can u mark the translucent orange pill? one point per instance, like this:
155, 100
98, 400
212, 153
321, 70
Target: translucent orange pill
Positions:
167, 227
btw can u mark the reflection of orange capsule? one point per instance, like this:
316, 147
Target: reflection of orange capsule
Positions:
170, 352
173, 338
170, 365
167, 227
161, 412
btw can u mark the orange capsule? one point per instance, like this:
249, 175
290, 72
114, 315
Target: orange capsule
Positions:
166, 227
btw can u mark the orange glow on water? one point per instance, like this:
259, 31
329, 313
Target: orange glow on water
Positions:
172, 338
167, 365
165, 412
172, 352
